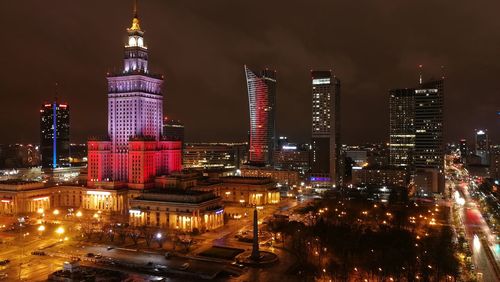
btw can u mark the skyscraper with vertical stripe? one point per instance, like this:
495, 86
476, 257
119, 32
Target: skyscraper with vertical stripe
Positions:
261, 90
54, 134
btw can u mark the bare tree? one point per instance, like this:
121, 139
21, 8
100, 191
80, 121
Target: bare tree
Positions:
122, 233
87, 230
148, 233
134, 233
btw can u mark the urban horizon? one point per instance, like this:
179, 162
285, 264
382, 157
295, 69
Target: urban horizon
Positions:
365, 93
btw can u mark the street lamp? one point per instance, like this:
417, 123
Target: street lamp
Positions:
40, 229
79, 214
55, 212
60, 231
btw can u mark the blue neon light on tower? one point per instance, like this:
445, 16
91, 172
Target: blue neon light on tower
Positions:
54, 135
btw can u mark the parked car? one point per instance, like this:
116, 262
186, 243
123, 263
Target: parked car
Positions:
4, 262
184, 266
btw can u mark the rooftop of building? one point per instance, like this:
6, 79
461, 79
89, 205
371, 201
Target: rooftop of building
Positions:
384, 168
246, 180
176, 195
17, 182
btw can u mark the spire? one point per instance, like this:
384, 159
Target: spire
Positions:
56, 92
135, 21
420, 74
135, 9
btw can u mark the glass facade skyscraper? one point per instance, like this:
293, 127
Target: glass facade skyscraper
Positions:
402, 127
261, 90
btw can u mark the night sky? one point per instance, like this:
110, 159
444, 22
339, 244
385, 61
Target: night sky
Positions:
201, 47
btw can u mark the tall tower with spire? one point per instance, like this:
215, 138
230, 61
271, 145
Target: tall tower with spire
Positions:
135, 119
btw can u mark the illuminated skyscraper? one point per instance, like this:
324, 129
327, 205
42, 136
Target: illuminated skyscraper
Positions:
402, 127
326, 145
135, 152
482, 145
54, 135
262, 104
429, 143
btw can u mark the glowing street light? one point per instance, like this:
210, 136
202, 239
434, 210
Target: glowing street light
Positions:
158, 236
39, 211
79, 214
56, 212
41, 228
60, 230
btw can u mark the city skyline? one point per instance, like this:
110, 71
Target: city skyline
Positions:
328, 183
173, 26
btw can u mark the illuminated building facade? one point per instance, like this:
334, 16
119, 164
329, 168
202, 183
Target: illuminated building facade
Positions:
244, 190
22, 197
178, 210
495, 162
135, 151
402, 127
429, 143
325, 154
214, 155
482, 145
292, 158
54, 135
107, 200
464, 150
262, 105
279, 176
380, 177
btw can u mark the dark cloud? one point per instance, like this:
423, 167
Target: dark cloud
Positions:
201, 46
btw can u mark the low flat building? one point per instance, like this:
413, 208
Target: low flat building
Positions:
244, 190
214, 155
380, 177
24, 197
283, 177
177, 209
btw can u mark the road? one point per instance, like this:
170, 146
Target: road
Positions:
477, 233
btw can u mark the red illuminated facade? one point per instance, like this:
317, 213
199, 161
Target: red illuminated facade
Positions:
262, 105
135, 151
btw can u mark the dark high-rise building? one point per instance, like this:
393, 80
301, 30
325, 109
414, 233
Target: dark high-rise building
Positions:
482, 145
54, 135
173, 130
402, 127
429, 143
262, 104
325, 154
464, 150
